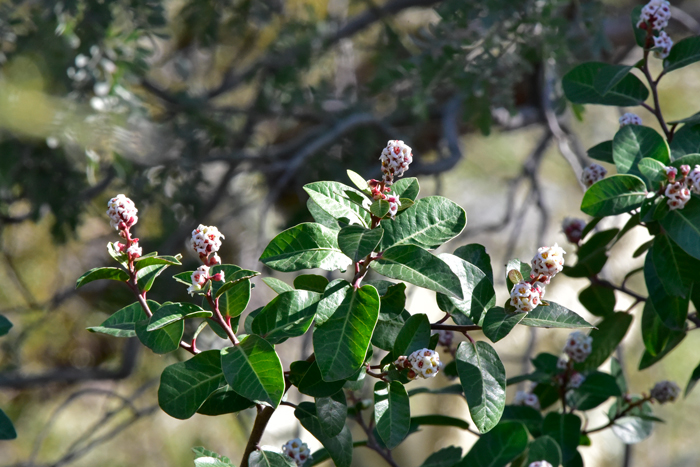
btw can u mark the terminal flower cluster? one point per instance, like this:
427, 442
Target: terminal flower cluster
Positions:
578, 346
423, 363
527, 399
528, 294
298, 451
677, 191
573, 229
665, 391
396, 157
122, 216
206, 240
654, 17
593, 173
630, 119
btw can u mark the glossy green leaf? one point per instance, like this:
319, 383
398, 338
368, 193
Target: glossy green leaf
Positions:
330, 196
144, 261
683, 53
345, 320
609, 76
654, 171
5, 325
266, 458
211, 462
413, 264
332, 412
231, 280
676, 269
606, 338
685, 141
483, 379
392, 412
357, 180
445, 457
321, 216
147, 275
414, 335
357, 242
476, 254
632, 143
163, 340
671, 309
579, 87
380, 208
429, 223
224, 400
595, 389
683, 226
200, 452
554, 316
614, 195
339, 447
478, 293
254, 370
306, 376
598, 300
498, 323
7, 429
115, 274
310, 282
305, 246
544, 448
406, 188
170, 312
498, 447
289, 314
692, 120
184, 386
235, 299
392, 317
121, 323
602, 152
565, 430
277, 285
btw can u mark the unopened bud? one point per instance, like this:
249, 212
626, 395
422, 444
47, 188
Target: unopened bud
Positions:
122, 212
396, 157
134, 251
219, 276
578, 346
592, 174
665, 391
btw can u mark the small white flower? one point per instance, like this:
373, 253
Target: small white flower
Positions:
578, 346
665, 391
548, 261
656, 14
694, 179
134, 251
563, 362
592, 174
664, 43
540, 464
678, 195
630, 119
525, 297
394, 204
576, 380
396, 157
298, 451
206, 239
424, 363
527, 399
121, 209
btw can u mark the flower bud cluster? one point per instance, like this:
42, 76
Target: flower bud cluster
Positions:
592, 174
206, 239
573, 229
665, 391
694, 180
664, 43
576, 380
379, 190
578, 346
525, 297
540, 464
630, 119
655, 15
677, 190
298, 451
527, 399
122, 216
423, 363
548, 262
396, 157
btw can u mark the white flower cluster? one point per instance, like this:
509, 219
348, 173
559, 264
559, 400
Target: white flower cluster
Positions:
445, 339
394, 204
396, 157
578, 346
678, 195
527, 399
424, 363
665, 391
573, 229
122, 212
525, 297
548, 262
677, 191
593, 173
630, 119
206, 239
298, 451
655, 14
576, 380
540, 464
694, 180
199, 278
664, 44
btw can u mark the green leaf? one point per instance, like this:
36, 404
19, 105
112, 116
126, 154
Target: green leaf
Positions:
265, 458
121, 323
483, 379
531, 418
498, 447
357, 242
683, 226
632, 143
684, 53
632, 428
118, 256
609, 76
305, 246
454, 389
694, 377
143, 261
517, 265
114, 274
498, 323
554, 316
606, 338
321, 216
640, 35
231, 280
598, 300
210, 462
392, 317
277, 285
596, 389
224, 400
592, 255
438, 420
310, 282
289, 314
392, 412
235, 299
330, 196
345, 320
692, 120
544, 448
148, 274
200, 452
254, 370
602, 152
614, 195
429, 223
445, 457
306, 376
566, 431
357, 180
671, 309
339, 447
380, 208
163, 340
7, 429
332, 412
476, 254
579, 87
184, 386
675, 268
657, 338
170, 312
5, 325
406, 188
477, 290
414, 335
419, 267
654, 171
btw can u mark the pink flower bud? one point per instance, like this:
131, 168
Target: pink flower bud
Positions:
218, 276
134, 251
122, 212
685, 169
671, 173
396, 157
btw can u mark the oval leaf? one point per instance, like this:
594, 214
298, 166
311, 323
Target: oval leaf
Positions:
357, 242
498, 447
290, 314
614, 195
332, 412
477, 290
339, 447
579, 87
632, 143
554, 316
114, 274
331, 198
169, 313
392, 412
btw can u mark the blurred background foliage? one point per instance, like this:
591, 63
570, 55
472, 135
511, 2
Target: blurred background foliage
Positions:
217, 112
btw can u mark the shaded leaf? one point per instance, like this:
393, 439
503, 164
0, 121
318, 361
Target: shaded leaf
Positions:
477, 290
392, 412
614, 195
331, 198
579, 87
332, 412
310, 282
357, 242
339, 447
289, 314
498, 323
565, 430
497, 447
